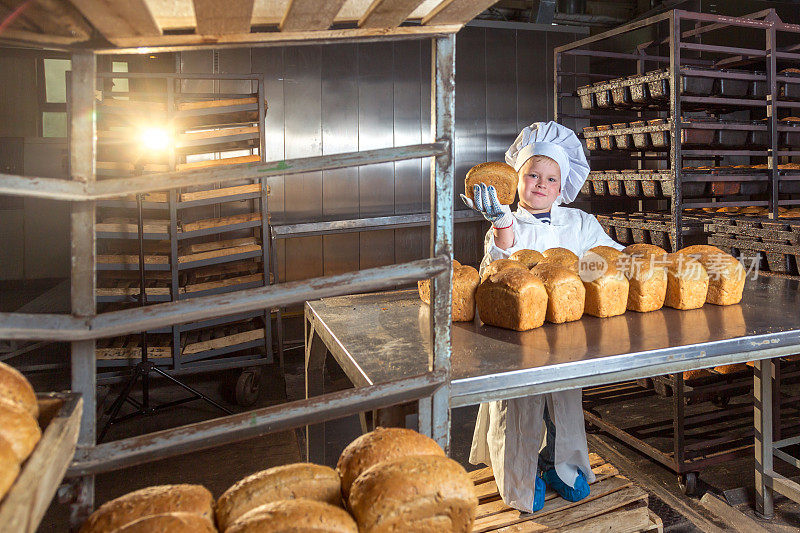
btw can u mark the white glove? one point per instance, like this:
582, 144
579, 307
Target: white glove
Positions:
486, 204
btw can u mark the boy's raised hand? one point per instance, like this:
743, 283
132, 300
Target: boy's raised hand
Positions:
486, 204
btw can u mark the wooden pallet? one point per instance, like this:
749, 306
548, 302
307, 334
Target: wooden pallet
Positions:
614, 504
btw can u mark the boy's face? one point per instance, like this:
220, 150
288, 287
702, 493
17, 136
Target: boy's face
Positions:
539, 184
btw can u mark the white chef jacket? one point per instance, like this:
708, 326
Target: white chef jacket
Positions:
509, 433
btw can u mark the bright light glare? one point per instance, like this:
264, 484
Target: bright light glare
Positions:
154, 139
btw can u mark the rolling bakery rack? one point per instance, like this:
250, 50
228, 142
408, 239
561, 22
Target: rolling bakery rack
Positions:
197, 241
694, 135
119, 28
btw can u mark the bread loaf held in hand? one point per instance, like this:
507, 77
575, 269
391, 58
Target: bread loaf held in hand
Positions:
513, 299
465, 282
501, 176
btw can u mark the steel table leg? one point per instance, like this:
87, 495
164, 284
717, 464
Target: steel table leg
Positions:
316, 353
762, 390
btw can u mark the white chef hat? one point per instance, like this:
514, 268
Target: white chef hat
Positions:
556, 142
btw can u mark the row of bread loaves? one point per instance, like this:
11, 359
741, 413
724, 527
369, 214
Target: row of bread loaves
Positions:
19, 427
529, 287
392, 480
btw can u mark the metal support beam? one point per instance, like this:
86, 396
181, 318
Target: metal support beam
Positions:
217, 432
442, 128
65, 327
58, 189
82, 220
675, 112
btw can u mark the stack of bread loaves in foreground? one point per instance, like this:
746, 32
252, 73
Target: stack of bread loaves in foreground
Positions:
529, 287
19, 427
392, 480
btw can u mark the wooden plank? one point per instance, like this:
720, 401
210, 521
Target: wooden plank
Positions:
388, 13
221, 193
229, 282
149, 226
225, 102
131, 18
131, 291
218, 245
309, 15
223, 18
218, 162
222, 342
631, 518
133, 352
213, 134
456, 11
512, 516
219, 253
219, 222
29, 497
122, 259
49, 18
131, 44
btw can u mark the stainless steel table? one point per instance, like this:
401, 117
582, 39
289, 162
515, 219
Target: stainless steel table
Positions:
384, 336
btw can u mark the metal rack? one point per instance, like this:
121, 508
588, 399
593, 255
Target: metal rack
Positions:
84, 326
649, 119
182, 262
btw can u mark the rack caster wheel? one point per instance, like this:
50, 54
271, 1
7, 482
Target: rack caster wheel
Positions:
688, 483
248, 387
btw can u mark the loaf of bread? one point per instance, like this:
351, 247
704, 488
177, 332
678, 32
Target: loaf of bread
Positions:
298, 480
646, 273
562, 256
734, 368
643, 249
726, 275
606, 286
298, 515
417, 493
513, 299
19, 428
161, 499
693, 375
501, 264
687, 282
465, 282
9, 466
529, 258
565, 292
501, 176
16, 389
382, 444
169, 523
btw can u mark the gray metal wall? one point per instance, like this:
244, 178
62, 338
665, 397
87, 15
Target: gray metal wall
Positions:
337, 98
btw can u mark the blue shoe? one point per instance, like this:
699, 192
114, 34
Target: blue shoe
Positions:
538, 494
579, 492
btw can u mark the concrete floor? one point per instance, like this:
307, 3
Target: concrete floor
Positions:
220, 467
